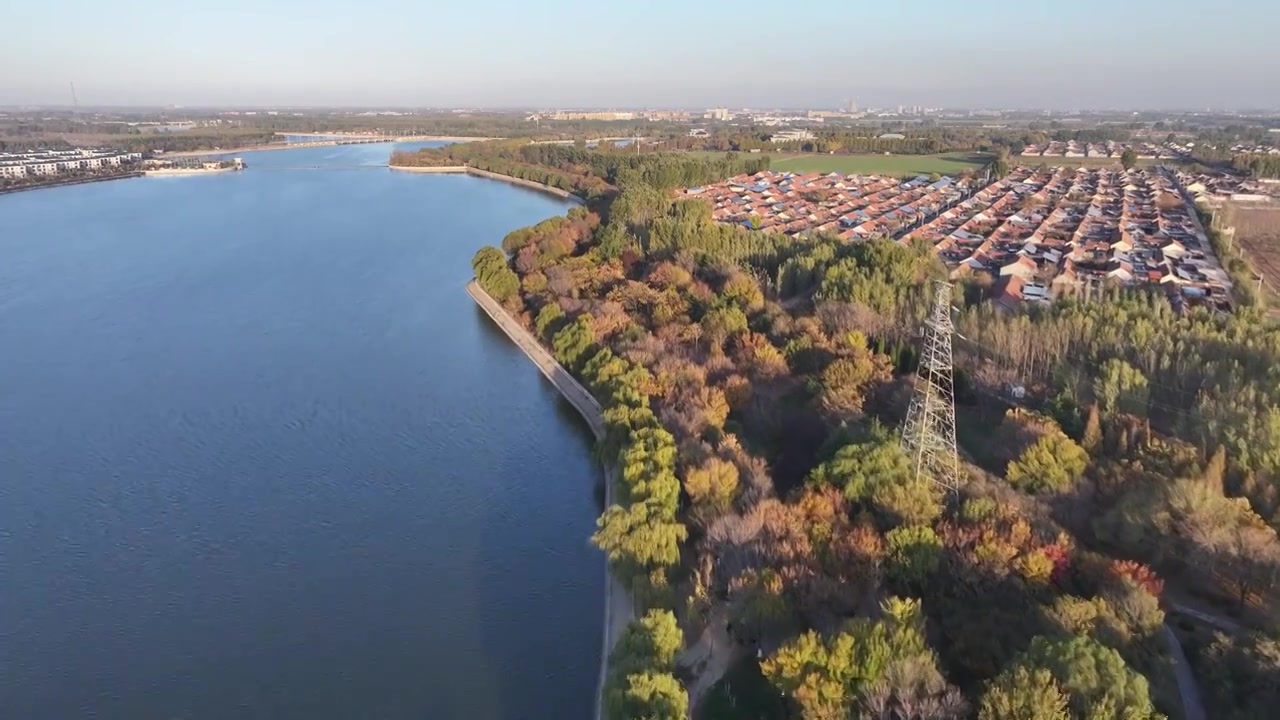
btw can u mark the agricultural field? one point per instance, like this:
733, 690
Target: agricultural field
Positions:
1111, 163
898, 165
1257, 237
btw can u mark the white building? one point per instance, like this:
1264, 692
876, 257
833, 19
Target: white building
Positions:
791, 135
52, 162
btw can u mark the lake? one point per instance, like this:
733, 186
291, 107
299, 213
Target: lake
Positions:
262, 457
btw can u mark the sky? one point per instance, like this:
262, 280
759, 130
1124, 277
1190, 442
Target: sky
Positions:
1132, 54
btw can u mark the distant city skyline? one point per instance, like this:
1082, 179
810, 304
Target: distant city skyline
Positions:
503, 54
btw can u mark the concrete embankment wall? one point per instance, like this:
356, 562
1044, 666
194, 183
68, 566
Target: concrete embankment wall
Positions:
569, 387
458, 169
619, 608
443, 169
186, 171
524, 183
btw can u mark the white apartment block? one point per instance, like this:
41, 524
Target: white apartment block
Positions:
52, 162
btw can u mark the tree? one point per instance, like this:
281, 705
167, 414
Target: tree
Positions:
883, 670
493, 275
1097, 682
640, 683
572, 344
1053, 464
548, 319
879, 472
1128, 159
1121, 388
652, 696
1023, 694
712, 485
1000, 165
650, 642
913, 555
845, 381
723, 323
1215, 472
639, 537
1091, 439
1241, 676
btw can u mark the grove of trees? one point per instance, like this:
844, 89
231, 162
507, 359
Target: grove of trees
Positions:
750, 386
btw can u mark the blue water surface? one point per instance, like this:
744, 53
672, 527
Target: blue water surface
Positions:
262, 457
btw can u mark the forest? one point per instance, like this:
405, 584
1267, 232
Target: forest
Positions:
777, 538
590, 174
1260, 166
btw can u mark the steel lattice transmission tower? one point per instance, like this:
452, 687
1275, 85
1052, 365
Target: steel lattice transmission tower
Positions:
929, 433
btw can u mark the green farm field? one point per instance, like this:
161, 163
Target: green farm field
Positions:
896, 165
944, 164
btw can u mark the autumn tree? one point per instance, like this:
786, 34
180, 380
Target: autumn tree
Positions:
878, 669
1023, 694
1053, 464
712, 485
845, 381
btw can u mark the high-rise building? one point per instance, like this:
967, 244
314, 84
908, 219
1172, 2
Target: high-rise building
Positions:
853, 105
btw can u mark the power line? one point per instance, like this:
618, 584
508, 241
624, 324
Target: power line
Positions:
929, 432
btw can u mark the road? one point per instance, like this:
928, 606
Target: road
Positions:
1188, 688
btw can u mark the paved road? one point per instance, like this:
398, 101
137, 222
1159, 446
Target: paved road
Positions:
619, 608
1222, 623
1188, 688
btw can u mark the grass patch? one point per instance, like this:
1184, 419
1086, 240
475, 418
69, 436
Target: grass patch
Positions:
899, 165
743, 694
1109, 163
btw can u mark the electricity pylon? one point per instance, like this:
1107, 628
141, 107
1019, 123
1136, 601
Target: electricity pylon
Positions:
929, 433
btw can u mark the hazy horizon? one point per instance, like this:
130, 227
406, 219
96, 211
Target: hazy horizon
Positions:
506, 55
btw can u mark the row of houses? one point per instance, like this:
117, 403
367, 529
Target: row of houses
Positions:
1077, 149
1217, 187
1254, 149
1042, 234
56, 162
850, 206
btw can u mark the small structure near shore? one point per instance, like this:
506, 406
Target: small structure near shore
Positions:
192, 165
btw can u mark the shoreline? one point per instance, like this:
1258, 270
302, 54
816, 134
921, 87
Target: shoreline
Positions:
477, 172
71, 181
618, 608
186, 171
290, 146
394, 138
